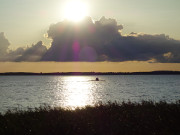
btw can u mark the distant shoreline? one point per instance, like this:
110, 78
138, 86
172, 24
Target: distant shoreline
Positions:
95, 73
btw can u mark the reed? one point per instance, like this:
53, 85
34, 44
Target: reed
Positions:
145, 118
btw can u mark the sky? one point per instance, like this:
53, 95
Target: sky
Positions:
140, 32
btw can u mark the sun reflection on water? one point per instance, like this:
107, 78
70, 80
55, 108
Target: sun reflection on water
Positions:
77, 92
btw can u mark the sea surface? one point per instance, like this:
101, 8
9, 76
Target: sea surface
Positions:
24, 92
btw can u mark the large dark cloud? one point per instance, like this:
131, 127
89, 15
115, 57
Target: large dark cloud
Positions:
99, 41
82, 41
102, 41
144, 47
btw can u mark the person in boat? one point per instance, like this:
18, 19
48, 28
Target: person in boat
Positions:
97, 79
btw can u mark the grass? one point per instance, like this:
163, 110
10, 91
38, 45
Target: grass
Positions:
145, 118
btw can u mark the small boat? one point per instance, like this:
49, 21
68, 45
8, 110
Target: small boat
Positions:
97, 79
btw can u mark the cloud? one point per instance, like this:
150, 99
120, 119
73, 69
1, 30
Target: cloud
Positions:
101, 40
4, 44
144, 47
33, 53
81, 42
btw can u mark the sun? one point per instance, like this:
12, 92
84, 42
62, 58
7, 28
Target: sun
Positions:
75, 10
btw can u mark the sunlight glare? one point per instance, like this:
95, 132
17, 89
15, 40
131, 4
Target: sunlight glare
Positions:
77, 92
75, 10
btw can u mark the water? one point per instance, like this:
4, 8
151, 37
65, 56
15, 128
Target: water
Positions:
78, 91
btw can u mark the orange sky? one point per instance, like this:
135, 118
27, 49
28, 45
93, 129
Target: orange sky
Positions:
86, 67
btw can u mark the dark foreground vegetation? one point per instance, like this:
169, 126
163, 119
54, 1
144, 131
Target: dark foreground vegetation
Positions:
146, 118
